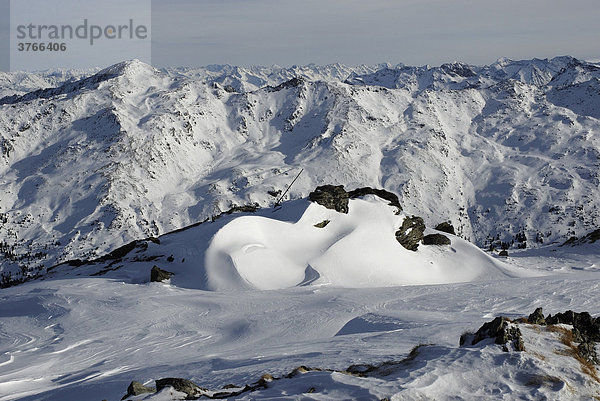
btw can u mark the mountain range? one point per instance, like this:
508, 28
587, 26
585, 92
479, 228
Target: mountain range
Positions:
90, 160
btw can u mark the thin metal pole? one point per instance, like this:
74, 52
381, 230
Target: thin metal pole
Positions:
288, 188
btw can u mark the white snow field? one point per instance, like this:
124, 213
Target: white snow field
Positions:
267, 292
357, 249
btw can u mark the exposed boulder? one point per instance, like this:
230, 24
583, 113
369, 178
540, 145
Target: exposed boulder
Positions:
331, 196
503, 252
137, 388
382, 193
336, 197
587, 351
322, 224
264, 381
537, 317
584, 325
157, 275
564, 318
410, 233
502, 330
436, 239
446, 227
586, 330
183, 385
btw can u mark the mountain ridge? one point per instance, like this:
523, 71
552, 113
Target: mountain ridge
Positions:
503, 151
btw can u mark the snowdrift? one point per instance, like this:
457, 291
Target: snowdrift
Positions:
325, 247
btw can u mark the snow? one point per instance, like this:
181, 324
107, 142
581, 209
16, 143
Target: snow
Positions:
269, 254
500, 150
80, 334
90, 337
91, 161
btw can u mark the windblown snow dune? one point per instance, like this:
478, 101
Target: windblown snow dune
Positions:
357, 249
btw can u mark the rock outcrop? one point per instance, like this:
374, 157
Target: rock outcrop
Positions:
137, 388
331, 196
584, 325
446, 227
336, 197
537, 317
501, 329
410, 233
589, 238
382, 193
182, 385
436, 239
158, 275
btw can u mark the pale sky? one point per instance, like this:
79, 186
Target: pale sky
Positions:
414, 32
352, 32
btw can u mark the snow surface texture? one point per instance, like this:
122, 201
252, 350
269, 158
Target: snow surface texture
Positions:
74, 338
85, 332
271, 254
506, 152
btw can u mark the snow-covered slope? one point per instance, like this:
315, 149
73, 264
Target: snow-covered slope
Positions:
507, 152
301, 244
73, 337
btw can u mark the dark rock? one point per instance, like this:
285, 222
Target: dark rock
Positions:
361, 369
299, 370
137, 388
382, 193
182, 385
502, 331
274, 193
589, 238
571, 241
593, 236
537, 317
253, 208
585, 327
503, 252
264, 380
322, 224
410, 234
466, 338
243, 209
157, 274
292, 83
565, 318
446, 227
587, 350
436, 239
331, 196
123, 250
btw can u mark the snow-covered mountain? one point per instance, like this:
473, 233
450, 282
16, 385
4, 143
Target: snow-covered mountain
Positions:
508, 152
